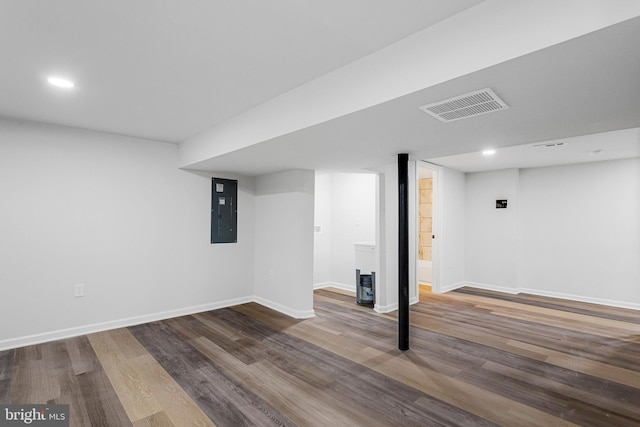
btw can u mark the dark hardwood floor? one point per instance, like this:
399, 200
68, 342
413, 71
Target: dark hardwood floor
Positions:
477, 358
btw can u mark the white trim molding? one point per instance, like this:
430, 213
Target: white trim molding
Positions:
296, 314
115, 324
385, 308
543, 293
581, 298
488, 287
448, 288
343, 286
18, 342
137, 320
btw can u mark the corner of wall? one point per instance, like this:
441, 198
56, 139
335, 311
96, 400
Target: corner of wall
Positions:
284, 213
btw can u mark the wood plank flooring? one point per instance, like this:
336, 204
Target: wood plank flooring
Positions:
477, 358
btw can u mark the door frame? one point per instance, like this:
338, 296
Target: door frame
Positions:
436, 256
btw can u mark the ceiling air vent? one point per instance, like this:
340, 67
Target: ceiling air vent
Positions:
550, 145
468, 105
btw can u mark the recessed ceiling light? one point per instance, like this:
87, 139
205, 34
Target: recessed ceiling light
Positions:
60, 82
488, 152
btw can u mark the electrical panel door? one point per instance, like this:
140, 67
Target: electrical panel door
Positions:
224, 210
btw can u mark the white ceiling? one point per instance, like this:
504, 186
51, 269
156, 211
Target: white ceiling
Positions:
167, 70
613, 145
587, 85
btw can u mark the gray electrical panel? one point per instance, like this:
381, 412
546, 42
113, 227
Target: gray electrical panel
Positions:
224, 210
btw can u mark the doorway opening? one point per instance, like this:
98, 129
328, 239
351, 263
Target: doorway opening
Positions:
427, 222
345, 227
425, 230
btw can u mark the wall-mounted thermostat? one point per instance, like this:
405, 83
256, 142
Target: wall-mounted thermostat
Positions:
501, 204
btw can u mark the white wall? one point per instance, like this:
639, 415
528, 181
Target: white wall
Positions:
345, 208
574, 232
354, 216
387, 239
452, 223
492, 234
322, 240
116, 215
580, 231
284, 242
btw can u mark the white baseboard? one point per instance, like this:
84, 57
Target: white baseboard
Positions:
115, 324
338, 285
449, 288
296, 314
559, 295
488, 287
392, 307
581, 298
137, 320
322, 285
385, 308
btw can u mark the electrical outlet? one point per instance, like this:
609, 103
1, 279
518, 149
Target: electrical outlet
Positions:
79, 291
